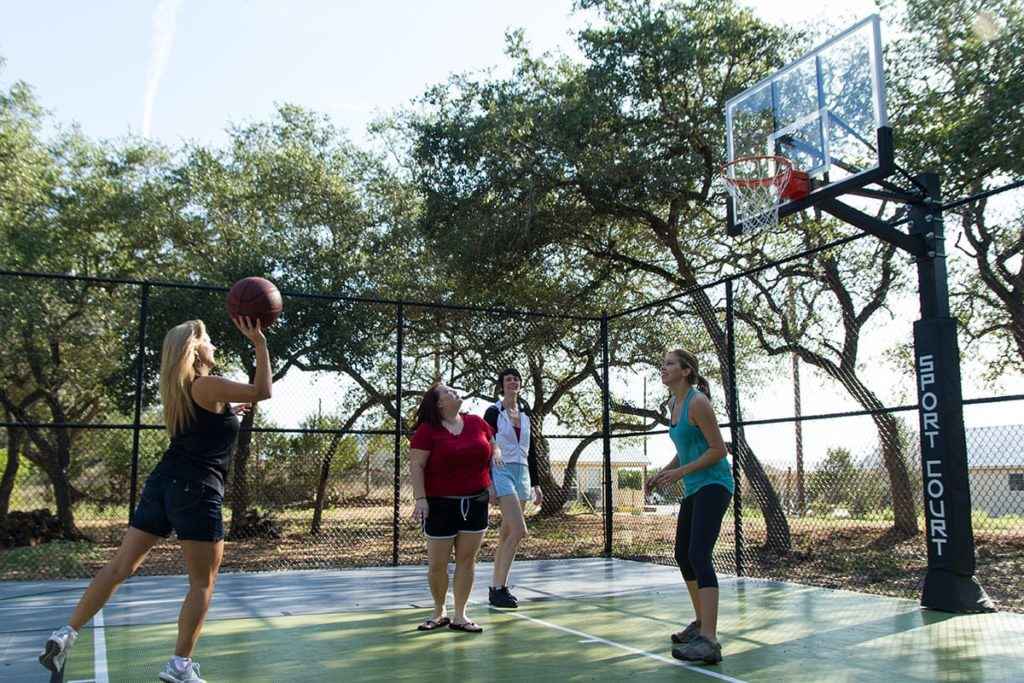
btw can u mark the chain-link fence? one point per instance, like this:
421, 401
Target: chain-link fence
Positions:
811, 376
825, 439
319, 477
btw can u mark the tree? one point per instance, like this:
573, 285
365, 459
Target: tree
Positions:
12, 463
608, 163
833, 480
293, 200
338, 440
76, 207
956, 80
838, 293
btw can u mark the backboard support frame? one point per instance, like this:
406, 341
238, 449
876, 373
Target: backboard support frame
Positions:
949, 584
851, 185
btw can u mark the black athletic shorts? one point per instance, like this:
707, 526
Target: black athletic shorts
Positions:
190, 508
451, 516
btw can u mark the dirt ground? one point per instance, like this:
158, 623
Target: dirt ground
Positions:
847, 554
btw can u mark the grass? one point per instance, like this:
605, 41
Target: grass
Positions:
56, 559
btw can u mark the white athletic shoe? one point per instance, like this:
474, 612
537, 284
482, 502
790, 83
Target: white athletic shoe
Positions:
189, 675
55, 652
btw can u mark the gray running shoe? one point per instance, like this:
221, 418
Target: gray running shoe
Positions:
189, 675
55, 652
700, 649
687, 634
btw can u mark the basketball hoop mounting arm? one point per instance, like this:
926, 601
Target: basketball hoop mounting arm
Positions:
912, 244
890, 192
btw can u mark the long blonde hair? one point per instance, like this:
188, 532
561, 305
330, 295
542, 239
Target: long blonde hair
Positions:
177, 372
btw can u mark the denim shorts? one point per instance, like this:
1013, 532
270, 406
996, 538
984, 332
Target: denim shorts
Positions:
511, 479
189, 508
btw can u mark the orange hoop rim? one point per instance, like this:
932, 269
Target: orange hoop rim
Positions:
780, 179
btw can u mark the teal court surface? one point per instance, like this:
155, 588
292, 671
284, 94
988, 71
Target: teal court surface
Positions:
579, 620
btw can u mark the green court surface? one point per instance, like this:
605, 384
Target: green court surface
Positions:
770, 632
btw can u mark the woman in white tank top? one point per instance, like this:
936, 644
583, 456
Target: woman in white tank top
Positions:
515, 481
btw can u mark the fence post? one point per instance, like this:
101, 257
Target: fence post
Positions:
140, 365
732, 404
398, 433
609, 503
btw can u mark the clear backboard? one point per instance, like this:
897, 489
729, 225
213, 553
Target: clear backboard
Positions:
825, 113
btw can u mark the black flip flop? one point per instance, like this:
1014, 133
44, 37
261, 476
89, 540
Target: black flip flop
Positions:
431, 624
467, 626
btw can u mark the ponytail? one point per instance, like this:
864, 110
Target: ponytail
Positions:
688, 360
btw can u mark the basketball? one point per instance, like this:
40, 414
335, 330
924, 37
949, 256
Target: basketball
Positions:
255, 297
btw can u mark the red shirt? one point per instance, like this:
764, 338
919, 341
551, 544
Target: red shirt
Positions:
457, 465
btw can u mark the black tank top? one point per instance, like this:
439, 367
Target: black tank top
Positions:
202, 451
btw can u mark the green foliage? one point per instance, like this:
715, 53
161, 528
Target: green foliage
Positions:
568, 185
956, 81
839, 483
631, 479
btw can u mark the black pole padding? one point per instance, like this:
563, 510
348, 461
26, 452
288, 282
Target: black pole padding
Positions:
949, 583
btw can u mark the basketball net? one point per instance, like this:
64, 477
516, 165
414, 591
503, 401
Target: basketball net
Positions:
756, 185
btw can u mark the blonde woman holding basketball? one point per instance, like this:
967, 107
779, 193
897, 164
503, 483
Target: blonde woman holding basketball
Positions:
185, 491
707, 488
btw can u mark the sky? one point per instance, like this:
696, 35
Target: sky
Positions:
179, 70
183, 70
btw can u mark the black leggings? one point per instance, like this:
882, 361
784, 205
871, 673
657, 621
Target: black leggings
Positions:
700, 520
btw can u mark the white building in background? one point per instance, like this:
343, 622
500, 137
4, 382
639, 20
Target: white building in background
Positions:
995, 461
627, 472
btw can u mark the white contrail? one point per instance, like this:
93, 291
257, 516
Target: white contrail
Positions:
164, 19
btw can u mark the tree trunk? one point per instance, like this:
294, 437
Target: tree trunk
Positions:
240, 492
556, 495
798, 429
776, 525
62, 493
777, 537
903, 496
54, 458
10, 469
900, 488
321, 487
1017, 328
321, 494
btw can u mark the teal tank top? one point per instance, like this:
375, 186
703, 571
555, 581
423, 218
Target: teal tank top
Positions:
690, 445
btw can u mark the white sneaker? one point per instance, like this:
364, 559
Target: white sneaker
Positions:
55, 652
189, 675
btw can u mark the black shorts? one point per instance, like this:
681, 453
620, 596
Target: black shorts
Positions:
448, 517
190, 508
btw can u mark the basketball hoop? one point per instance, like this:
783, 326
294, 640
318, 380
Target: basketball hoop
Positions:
757, 185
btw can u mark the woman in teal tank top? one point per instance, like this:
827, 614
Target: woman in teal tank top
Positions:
708, 485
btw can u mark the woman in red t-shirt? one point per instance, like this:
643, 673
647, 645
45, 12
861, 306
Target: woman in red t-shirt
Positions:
450, 467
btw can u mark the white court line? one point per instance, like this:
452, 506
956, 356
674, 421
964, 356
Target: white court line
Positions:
627, 648
99, 642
